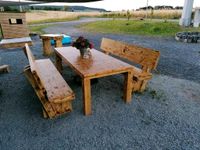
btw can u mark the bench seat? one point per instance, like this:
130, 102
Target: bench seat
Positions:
56, 87
15, 42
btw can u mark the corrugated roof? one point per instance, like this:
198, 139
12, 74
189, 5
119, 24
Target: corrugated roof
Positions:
27, 2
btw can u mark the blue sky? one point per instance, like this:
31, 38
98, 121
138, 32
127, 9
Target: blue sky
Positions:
131, 4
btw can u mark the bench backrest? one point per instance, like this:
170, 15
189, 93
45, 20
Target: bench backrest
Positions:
30, 57
33, 67
146, 57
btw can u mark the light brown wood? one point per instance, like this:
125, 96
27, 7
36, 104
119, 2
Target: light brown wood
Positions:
87, 96
13, 30
46, 39
4, 68
146, 57
56, 87
15, 42
128, 86
52, 90
59, 63
58, 42
47, 49
98, 65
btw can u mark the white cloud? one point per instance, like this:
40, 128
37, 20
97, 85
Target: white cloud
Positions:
129, 4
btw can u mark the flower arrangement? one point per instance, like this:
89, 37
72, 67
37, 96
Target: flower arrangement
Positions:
82, 43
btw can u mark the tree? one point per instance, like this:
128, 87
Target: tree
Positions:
128, 15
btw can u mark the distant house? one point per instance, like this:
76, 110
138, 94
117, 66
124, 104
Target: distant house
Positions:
163, 7
145, 8
178, 7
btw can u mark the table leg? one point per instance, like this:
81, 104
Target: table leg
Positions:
47, 50
59, 63
58, 42
128, 87
87, 96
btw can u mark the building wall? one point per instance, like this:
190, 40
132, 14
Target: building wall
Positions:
11, 29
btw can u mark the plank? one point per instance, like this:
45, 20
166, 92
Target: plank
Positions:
146, 57
56, 87
87, 96
15, 42
13, 30
99, 65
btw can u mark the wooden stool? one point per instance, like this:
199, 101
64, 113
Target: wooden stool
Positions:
46, 39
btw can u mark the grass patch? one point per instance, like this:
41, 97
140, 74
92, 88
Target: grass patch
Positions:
53, 20
137, 27
38, 28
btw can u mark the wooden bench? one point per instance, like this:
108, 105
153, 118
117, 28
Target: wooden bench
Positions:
145, 57
53, 91
15, 42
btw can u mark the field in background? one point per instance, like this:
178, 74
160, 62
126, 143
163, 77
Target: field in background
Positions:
56, 16
154, 14
137, 27
35, 17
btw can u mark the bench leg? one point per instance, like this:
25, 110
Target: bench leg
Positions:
46, 105
44, 113
139, 86
47, 49
143, 85
87, 96
59, 63
128, 87
58, 42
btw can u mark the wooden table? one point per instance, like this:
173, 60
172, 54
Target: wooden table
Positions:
99, 65
46, 40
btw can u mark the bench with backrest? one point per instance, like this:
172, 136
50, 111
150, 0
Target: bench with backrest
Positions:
53, 91
145, 57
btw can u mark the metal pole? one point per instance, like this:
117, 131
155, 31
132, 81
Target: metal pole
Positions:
20, 7
147, 9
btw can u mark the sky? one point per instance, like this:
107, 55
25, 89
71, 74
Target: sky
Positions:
114, 5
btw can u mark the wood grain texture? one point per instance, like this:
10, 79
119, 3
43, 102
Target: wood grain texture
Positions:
46, 40
145, 57
98, 65
86, 87
15, 42
56, 87
13, 30
52, 90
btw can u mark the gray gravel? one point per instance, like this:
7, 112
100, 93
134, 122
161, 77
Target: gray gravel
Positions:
165, 116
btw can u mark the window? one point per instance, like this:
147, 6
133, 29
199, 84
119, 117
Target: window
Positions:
15, 21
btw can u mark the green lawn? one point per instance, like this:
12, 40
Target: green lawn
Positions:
137, 27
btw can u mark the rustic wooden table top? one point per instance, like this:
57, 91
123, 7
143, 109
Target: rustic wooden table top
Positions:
51, 36
98, 65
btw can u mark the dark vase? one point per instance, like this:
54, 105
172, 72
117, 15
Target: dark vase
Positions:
83, 51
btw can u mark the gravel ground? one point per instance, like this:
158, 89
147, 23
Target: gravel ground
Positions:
165, 116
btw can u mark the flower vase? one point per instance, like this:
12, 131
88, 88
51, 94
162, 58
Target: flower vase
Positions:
85, 52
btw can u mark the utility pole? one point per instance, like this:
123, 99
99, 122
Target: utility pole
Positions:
147, 9
20, 7
186, 13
